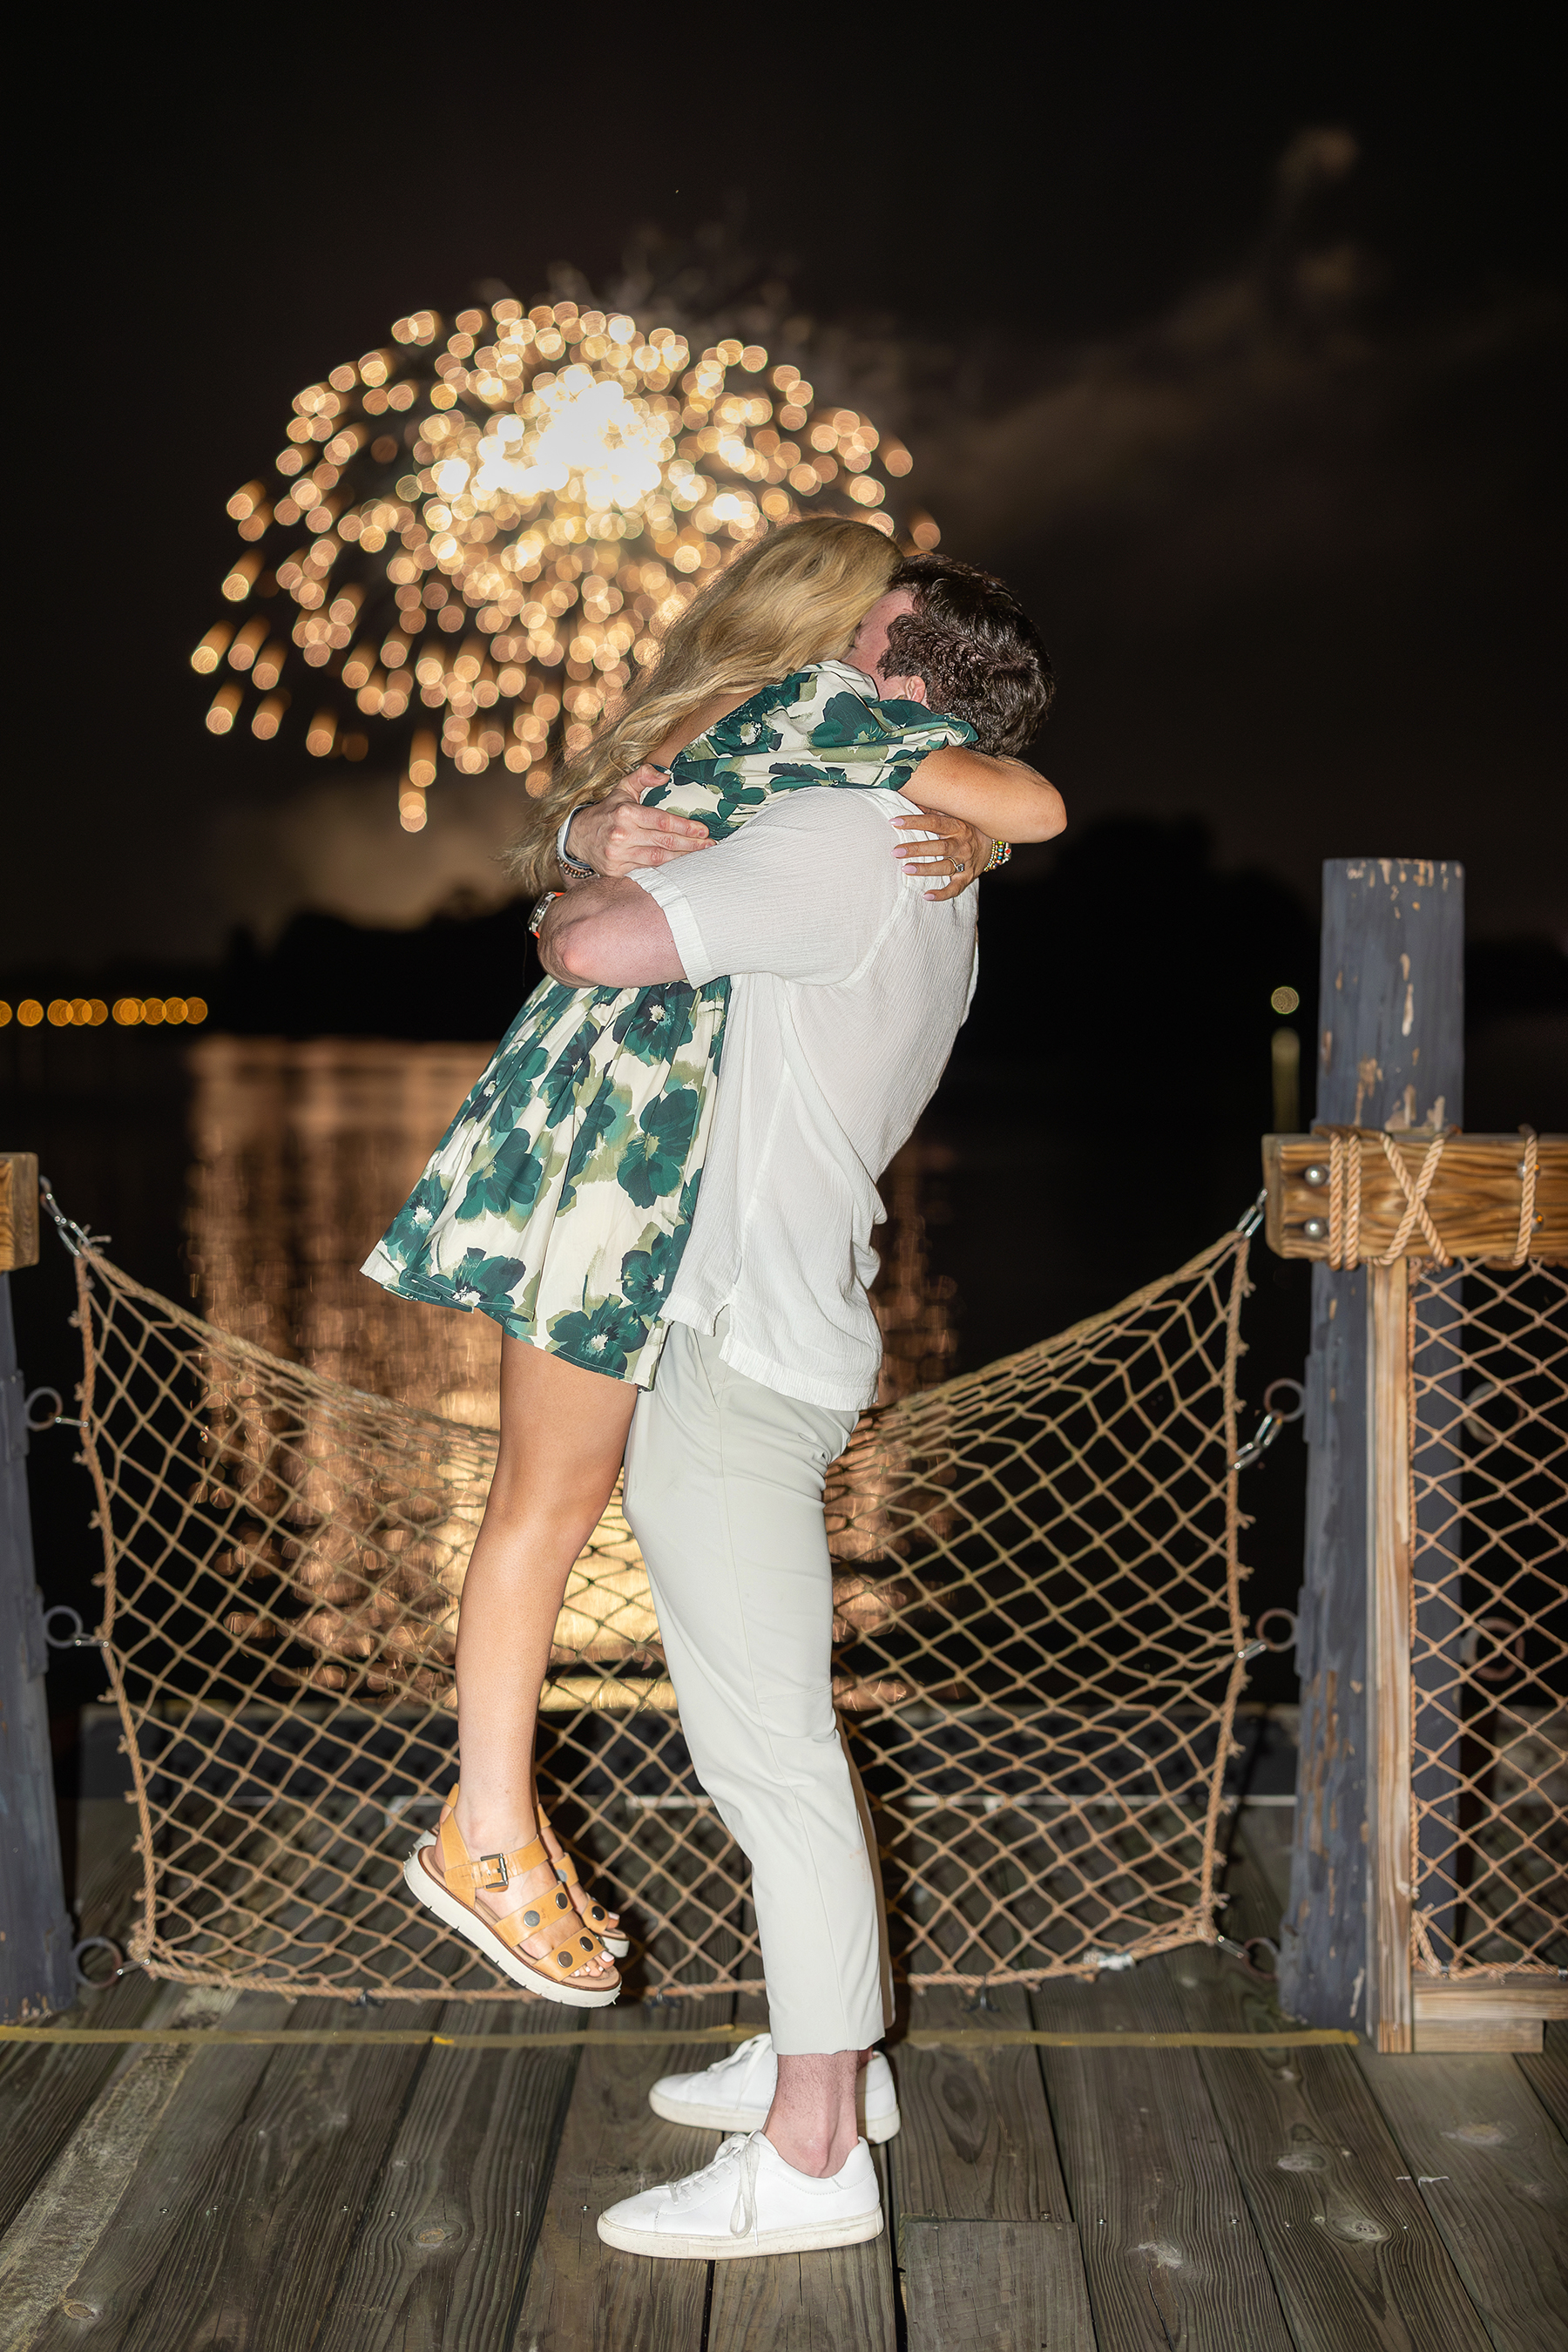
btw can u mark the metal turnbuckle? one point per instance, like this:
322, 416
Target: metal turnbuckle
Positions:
1246, 1225
76, 1238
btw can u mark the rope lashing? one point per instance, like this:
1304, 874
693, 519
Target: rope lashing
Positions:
1345, 1196
1527, 1174
1417, 1213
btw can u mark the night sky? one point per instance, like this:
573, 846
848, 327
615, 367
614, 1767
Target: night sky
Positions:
1229, 337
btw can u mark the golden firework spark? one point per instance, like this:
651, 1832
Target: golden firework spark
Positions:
486, 539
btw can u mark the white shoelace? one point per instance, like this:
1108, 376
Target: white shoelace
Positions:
749, 2148
744, 2218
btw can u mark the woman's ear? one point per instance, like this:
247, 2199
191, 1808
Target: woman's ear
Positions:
906, 689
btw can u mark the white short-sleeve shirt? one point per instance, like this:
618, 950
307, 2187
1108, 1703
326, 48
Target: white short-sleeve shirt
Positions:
849, 988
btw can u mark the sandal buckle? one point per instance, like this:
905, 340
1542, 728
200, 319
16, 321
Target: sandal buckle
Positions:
490, 1872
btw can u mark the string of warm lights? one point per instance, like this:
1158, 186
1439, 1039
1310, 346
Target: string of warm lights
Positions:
475, 538
92, 1011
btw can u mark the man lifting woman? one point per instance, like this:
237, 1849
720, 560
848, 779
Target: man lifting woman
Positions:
663, 1189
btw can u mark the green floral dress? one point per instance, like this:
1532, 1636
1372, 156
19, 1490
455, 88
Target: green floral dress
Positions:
559, 1200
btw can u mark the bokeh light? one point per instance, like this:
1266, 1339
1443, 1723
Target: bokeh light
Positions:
1285, 1000
92, 1011
493, 524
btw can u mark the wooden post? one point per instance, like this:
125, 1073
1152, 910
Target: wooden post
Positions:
1391, 1054
37, 1971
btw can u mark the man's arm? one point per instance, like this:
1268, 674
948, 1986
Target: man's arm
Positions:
801, 892
608, 935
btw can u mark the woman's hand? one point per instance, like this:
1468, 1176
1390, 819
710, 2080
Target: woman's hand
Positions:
956, 858
618, 834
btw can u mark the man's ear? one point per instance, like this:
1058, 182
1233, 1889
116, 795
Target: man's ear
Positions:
906, 689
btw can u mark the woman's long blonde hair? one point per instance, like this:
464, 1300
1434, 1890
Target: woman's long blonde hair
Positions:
796, 596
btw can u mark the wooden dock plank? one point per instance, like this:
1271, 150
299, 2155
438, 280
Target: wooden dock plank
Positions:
845, 2298
1493, 2171
46, 2089
453, 2216
977, 2143
997, 2286
581, 2292
808, 2303
1356, 2257
1547, 2074
977, 2147
90, 2242
252, 2191
1169, 2249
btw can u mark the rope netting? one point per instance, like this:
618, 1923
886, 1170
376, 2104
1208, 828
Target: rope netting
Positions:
1488, 1356
1038, 1631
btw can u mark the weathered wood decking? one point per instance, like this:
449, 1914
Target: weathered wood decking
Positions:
401, 2200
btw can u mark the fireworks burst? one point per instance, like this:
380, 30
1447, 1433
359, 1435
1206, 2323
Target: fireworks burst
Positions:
475, 543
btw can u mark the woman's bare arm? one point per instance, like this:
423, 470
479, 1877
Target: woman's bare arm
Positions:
1000, 797
617, 836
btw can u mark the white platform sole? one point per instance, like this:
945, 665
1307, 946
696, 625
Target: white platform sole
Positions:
751, 2119
664, 2246
462, 1922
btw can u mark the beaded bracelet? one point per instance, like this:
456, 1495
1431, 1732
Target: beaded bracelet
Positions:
571, 865
1001, 851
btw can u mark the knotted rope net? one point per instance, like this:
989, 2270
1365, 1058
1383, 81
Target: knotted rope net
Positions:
1037, 1626
1489, 1658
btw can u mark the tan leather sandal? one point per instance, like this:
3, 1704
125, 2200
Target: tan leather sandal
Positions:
451, 1895
614, 1941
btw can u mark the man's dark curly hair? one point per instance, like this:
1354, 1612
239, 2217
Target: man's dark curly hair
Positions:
976, 648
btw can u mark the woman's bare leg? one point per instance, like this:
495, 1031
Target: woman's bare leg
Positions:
562, 1433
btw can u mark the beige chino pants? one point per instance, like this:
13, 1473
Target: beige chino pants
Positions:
723, 1492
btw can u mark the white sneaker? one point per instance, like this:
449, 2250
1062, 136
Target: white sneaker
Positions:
735, 2093
749, 2201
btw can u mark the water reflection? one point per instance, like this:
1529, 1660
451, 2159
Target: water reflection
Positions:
303, 1151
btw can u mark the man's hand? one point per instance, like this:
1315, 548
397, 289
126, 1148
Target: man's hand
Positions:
617, 835
956, 858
